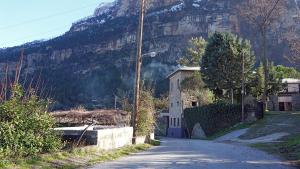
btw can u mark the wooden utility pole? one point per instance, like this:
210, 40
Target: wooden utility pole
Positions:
139, 41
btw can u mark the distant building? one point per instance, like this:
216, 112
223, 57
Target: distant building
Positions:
288, 99
178, 101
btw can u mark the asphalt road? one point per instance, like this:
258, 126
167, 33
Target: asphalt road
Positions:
197, 154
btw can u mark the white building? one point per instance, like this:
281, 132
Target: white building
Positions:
178, 101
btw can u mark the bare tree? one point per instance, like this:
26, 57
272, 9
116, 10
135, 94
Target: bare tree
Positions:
262, 14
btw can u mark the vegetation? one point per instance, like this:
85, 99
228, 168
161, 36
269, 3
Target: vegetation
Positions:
286, 72
275, 85
214, 117
194, 53
221, 65
262, 14
145, 117
229, 129
80, 158
195, 86
282, 122
26, 128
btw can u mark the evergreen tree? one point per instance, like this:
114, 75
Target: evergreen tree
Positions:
221, 65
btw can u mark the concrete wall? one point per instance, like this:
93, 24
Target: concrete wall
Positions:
106, 139
114, 138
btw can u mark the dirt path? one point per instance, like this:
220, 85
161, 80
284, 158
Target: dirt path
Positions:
189, 154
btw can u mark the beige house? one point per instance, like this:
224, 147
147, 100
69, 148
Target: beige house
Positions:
179, 100
289, 98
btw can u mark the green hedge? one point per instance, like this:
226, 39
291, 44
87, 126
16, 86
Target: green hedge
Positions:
214, 117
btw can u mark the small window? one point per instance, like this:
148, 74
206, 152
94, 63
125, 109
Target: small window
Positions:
178, 83
178, 103
171, 86
178, 122
174, 122
171, 104
194, 104
171, 122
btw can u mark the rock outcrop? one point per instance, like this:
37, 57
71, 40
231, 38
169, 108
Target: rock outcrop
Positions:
95, 59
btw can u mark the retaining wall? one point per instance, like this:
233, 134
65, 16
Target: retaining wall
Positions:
106, 139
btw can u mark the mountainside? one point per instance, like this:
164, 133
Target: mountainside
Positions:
95, 59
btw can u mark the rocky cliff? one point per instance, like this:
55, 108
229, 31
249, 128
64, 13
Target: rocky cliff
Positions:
95, 59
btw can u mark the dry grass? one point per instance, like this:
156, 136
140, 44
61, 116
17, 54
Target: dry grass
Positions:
77, 158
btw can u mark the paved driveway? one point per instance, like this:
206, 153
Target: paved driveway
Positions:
197, 154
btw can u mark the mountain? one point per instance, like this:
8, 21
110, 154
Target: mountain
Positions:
95, 59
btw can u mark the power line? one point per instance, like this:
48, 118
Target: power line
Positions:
26, 37
45, 17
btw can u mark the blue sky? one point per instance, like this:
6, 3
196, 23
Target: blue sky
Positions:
29, 20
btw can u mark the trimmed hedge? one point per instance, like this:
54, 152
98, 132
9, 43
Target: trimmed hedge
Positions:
214, 117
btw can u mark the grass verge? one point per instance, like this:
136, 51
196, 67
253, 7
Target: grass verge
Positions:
228, 130
76, 158
288, 148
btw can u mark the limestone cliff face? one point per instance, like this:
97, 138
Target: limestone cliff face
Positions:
91, 62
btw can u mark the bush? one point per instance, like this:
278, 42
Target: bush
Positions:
214, 117
26, 128
145, 117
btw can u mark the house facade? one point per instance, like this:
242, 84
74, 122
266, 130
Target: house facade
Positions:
178, 101
289, 98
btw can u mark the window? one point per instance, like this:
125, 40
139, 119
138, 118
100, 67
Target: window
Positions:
178, 83
299, 88
178, 103
171, 104
174, 122
178, 122
194, 104
171, 86
171, 122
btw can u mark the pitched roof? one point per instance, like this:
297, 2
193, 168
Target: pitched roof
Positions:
184, 68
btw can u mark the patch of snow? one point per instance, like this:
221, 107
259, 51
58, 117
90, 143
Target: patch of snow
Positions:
178, 7
173, 8
196, 5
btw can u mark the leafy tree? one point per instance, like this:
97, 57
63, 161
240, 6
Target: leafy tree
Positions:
275, 85
286, 72
194, 53
195, 86
221, 65
262, 14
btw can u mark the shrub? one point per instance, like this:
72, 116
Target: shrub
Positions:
26, 128
214, 117
145, 117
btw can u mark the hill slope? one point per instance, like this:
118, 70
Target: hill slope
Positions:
89, 63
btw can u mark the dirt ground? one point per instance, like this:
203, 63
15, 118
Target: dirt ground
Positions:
287, 147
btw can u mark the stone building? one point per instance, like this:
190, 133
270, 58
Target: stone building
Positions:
178, 101
288, 99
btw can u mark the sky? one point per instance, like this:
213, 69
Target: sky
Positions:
29, 20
